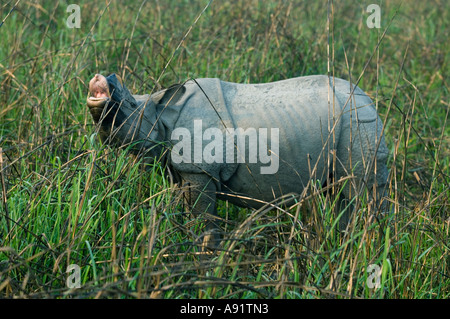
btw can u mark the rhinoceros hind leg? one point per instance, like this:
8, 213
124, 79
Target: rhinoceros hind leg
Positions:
362, 153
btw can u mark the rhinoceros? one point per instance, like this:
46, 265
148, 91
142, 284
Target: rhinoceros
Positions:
249, 143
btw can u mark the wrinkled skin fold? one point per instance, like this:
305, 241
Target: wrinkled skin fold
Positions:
325, 127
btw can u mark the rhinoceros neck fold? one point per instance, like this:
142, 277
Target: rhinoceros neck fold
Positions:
148, 135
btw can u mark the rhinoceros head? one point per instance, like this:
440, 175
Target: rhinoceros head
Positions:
110, 98
122, 119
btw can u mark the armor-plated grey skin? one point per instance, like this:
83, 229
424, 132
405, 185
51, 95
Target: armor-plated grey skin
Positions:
324, 126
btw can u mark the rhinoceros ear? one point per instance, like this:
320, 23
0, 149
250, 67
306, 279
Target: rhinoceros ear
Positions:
170, 95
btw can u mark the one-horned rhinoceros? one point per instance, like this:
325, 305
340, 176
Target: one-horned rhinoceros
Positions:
249, 143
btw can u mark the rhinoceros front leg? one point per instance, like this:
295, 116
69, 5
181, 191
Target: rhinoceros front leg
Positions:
200, 197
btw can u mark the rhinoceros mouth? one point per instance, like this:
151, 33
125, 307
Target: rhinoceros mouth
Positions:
109, 100
99, 92
92, 98
103, 89
97, 102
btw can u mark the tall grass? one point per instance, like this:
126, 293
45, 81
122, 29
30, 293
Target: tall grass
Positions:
67, 199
